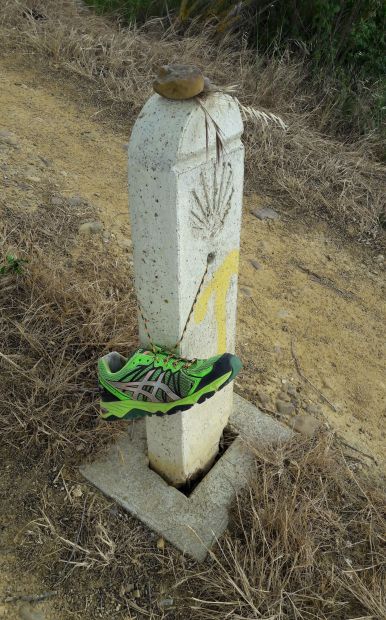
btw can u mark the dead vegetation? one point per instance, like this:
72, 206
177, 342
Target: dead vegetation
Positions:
304, 168
307, 539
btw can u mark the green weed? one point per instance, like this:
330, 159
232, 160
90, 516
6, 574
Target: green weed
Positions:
12, 265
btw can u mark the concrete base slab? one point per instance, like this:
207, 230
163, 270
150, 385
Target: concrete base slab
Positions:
192, 524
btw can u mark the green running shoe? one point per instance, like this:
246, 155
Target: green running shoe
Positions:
159, 382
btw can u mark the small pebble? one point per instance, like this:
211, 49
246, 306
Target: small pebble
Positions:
246, 291
380, 258
263, 398
292, 391
126, 244
76, 201
27, 613
136, 594
33, 179
313, 409
161, 543
305, 424
285, 408
255, 264
7, 137
266, 213
56, 201
91, 227
283, 396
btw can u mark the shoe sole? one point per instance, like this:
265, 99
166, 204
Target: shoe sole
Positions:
134, 410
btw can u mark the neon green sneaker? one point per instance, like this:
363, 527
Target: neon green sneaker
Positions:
159, 382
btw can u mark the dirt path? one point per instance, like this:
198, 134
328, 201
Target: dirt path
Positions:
308, 302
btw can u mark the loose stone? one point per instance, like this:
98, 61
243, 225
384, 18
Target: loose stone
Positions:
27, 613
285, 408
255, 264
91, 227
263, 398
305, 424
266, 213
76, 201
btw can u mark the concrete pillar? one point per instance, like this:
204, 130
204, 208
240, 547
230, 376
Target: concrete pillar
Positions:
184, 206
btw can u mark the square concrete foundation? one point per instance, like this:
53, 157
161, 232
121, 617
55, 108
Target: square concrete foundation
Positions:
194, 523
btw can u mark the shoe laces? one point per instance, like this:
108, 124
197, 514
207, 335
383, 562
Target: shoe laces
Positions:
158, 356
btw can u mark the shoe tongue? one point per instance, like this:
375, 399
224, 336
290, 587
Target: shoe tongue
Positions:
144, 351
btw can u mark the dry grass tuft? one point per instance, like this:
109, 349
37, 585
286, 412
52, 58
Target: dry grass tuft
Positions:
307, 542
302, 167
56, 320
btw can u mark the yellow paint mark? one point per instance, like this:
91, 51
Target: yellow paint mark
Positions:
218, 286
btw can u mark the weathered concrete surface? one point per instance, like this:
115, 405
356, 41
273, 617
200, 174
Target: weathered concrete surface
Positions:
192, 524
185, 205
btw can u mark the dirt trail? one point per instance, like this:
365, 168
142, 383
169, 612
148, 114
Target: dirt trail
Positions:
307, 300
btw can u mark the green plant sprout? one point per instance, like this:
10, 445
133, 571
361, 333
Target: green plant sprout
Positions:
13, 265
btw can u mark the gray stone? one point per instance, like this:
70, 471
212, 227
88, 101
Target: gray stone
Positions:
283, 396
126, 244
255, 264
379, 259
76, 201
266, 213
284, 408
264, 398
56, 201
292, 391
313, 409
194, 523
28, 613
305, 424
7, 137
91, 227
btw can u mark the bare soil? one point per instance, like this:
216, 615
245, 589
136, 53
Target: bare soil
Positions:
312, 306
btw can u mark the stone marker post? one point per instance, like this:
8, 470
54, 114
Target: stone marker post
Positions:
186, 205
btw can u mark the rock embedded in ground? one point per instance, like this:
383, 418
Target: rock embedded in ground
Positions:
283, 396
76, 201
126, 244
292, 391
56, 201
266, 213
305, 424
91, 227
28, 613
255, 264
8, 138
313, 409
379, 259
284, 408
264, 398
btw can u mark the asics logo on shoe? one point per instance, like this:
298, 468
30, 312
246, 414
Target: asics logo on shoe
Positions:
138, 387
